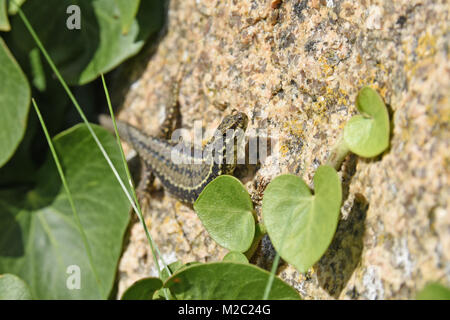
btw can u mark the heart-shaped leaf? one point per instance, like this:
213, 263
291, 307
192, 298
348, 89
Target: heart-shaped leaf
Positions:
14, 103
143, 289
226, 281
301, 225
367, 135
226, 210
434, 291
234, 256
97, 46
13, 288
40, 240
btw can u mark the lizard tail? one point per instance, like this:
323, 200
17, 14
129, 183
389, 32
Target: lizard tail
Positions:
126, 131
106, 122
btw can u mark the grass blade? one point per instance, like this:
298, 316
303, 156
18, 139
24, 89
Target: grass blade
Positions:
276, 260
139, 213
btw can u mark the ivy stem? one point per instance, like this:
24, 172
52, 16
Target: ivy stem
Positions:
260, 231
338, 153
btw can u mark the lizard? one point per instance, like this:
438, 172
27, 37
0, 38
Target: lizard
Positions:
187, 179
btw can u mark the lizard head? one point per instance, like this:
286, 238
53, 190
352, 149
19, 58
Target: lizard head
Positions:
231, 131
236, 120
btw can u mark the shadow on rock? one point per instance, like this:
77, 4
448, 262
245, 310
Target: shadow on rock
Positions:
335, 268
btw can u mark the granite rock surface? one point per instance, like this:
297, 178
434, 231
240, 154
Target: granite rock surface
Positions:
295, 67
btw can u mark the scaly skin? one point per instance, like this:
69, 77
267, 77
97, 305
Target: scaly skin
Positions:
186, 179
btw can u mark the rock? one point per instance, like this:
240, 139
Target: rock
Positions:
295, 67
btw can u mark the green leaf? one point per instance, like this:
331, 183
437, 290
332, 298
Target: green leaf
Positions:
4, 22
434, 291
13, 288
226, 210
128, 10
37, 70
367, 134
14, 104
301, 225
234, 256
142, 289
226, 281
14, 5
173, 267
97, 47
39, 237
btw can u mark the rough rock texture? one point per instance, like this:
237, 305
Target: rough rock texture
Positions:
295, 68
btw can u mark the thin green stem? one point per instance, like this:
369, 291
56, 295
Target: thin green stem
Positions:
153, 247
260, 231
338, 153
276, 260
69, 194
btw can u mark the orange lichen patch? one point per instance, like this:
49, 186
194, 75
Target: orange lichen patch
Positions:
426, 46
301, 277
330, 99
294, 127
424, 52
358, 59
439, 116
326, 68
320, 106
284, 150
444, 113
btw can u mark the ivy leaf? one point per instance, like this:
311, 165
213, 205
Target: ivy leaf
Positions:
234, 256
40, 240
301, 225
14, 104
226, 210
367, 135
13, 288
226, 281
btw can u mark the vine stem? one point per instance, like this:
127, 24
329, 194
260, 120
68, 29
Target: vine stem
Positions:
260, 231
338, 153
